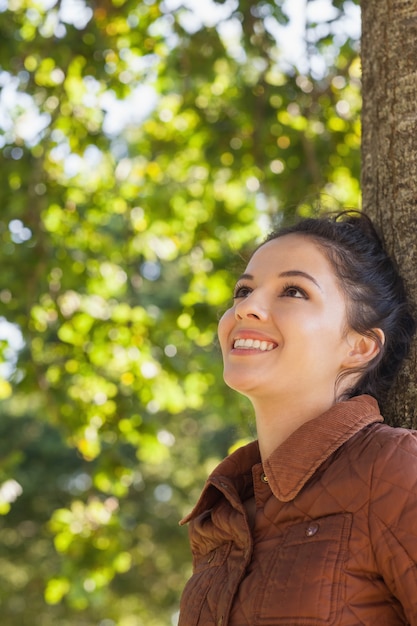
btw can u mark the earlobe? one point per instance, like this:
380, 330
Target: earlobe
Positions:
364, 348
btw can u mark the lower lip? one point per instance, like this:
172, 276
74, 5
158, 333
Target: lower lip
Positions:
249, 351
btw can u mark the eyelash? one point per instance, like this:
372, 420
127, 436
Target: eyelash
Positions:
287, 287
239, 287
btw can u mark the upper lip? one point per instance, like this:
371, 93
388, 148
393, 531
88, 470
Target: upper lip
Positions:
253, 334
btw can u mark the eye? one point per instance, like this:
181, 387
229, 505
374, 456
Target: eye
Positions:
241, 291
293, 291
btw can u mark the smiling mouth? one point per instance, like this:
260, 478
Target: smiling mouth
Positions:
254, 344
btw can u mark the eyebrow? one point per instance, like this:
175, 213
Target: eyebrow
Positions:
288, 274
300, 273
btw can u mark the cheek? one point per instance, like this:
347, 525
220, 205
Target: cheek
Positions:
225, 326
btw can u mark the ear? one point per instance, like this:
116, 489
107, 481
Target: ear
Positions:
362, 349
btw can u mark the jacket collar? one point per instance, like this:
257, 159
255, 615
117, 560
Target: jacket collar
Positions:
291, 465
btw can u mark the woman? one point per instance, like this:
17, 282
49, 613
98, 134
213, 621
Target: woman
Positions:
316, 522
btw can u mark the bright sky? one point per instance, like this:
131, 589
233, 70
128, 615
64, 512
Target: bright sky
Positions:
291, 38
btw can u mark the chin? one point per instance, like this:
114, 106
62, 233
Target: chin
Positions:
241, 384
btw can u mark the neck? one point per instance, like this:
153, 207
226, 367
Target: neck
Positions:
276, 421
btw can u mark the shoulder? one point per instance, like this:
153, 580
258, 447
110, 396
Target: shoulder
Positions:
393, 447
395, 464
384, 443
393, 474
382, 457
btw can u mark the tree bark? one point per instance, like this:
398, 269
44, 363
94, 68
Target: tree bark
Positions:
389, 157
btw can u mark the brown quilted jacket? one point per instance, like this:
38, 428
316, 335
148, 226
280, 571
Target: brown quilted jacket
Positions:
335, 534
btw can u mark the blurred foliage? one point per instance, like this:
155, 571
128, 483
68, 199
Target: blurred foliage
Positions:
142, 147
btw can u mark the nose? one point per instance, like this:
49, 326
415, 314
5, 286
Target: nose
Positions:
251, 307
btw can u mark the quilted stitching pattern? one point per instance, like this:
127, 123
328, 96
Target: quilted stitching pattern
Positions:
343, 551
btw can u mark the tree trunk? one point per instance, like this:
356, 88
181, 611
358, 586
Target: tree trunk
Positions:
389, 156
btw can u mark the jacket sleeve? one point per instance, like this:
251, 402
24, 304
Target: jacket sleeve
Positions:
393, 518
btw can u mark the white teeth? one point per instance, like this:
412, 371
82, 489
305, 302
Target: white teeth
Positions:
264, 346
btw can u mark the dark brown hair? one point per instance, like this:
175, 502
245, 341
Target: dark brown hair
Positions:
374, 291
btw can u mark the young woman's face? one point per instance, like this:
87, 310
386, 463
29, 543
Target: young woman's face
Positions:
286, 332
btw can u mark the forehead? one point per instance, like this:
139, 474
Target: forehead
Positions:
292, 254
289, 250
